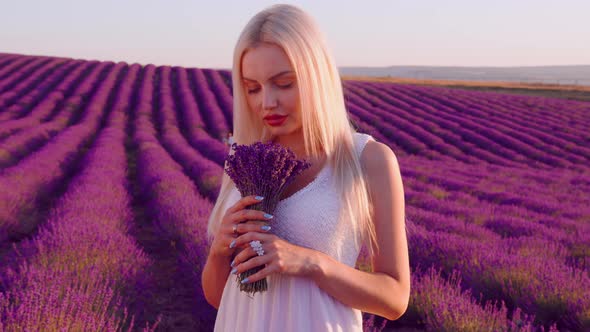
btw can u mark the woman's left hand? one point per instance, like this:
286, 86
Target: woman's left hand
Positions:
279, 256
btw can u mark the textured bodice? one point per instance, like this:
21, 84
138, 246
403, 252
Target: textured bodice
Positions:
310, 217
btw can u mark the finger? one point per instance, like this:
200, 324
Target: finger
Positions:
232, 230
250, 226
263, 273
249, 215
243, 202
230, 246
251, 263
244, 239
246, 254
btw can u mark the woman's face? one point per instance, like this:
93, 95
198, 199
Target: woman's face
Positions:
271, 89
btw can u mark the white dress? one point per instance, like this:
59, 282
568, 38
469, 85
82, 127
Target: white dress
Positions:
308, 218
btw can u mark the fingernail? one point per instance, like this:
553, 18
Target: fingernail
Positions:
232, 264
232, 244
234, 271
268, 216
244, 281
259, 198
265, 228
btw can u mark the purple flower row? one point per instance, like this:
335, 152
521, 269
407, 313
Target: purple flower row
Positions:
527, 110
12, 66
222, 93
192, 123
520, 125
206, 173
442, 305
472, 113
11, 62
535, 112
54, 98
82, 269
171, 199
33, 89
41, 172
500, 133
24, 72
23, 142
459, 131
422, 142
447, 142
521, 275
508, 220
387, 132
442, 106
505, 187
217, 124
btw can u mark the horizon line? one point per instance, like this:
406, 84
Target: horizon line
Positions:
342, 66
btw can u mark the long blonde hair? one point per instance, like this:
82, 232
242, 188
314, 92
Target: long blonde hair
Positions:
326, 125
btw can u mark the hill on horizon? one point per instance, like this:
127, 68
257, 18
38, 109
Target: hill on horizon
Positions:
571, 74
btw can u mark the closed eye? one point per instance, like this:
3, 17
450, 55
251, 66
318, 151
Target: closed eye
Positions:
282, 86
253, 91
285, 86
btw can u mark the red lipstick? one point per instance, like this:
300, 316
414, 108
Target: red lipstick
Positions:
275, 120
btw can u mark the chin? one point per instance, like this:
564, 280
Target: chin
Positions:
283, 130
286, 129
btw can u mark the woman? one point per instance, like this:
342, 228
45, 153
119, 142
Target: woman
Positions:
287, 89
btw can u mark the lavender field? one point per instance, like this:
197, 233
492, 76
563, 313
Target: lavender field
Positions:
108, 172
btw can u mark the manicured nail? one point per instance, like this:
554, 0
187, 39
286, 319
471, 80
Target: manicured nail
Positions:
234, 271
244, 281
268, 216
265, 228
232, 244
232, 264
259, 198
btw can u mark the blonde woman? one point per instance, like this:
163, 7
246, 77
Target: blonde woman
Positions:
287, 89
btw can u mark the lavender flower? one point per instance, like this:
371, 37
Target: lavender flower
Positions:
264, 169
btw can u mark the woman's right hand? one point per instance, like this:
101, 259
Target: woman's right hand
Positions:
245, 221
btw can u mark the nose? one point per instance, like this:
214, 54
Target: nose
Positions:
269, 99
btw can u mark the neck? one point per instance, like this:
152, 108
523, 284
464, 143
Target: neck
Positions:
295, 143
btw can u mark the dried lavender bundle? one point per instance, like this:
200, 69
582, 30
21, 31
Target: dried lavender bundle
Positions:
264, 169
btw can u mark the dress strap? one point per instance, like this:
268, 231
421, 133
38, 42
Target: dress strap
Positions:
360, 140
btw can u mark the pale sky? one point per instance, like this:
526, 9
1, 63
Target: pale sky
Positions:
359, 33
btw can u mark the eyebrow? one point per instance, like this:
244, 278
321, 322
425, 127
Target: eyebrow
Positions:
272, 77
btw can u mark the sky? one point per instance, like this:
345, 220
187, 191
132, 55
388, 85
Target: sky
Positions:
359, 33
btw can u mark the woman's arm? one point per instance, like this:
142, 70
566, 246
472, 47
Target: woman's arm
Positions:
373, 292
386, 291
214, 277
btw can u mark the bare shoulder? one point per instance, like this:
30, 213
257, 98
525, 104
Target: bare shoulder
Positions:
382, 173
377, 159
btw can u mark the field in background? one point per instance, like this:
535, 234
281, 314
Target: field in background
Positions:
108, 172
573, 92
576, 75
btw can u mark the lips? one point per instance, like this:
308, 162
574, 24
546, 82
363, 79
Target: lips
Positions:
275, 120
274, 117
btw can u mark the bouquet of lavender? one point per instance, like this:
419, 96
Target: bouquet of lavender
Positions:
264, 169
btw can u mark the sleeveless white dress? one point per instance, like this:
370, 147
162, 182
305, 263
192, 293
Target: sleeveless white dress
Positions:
308, 218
